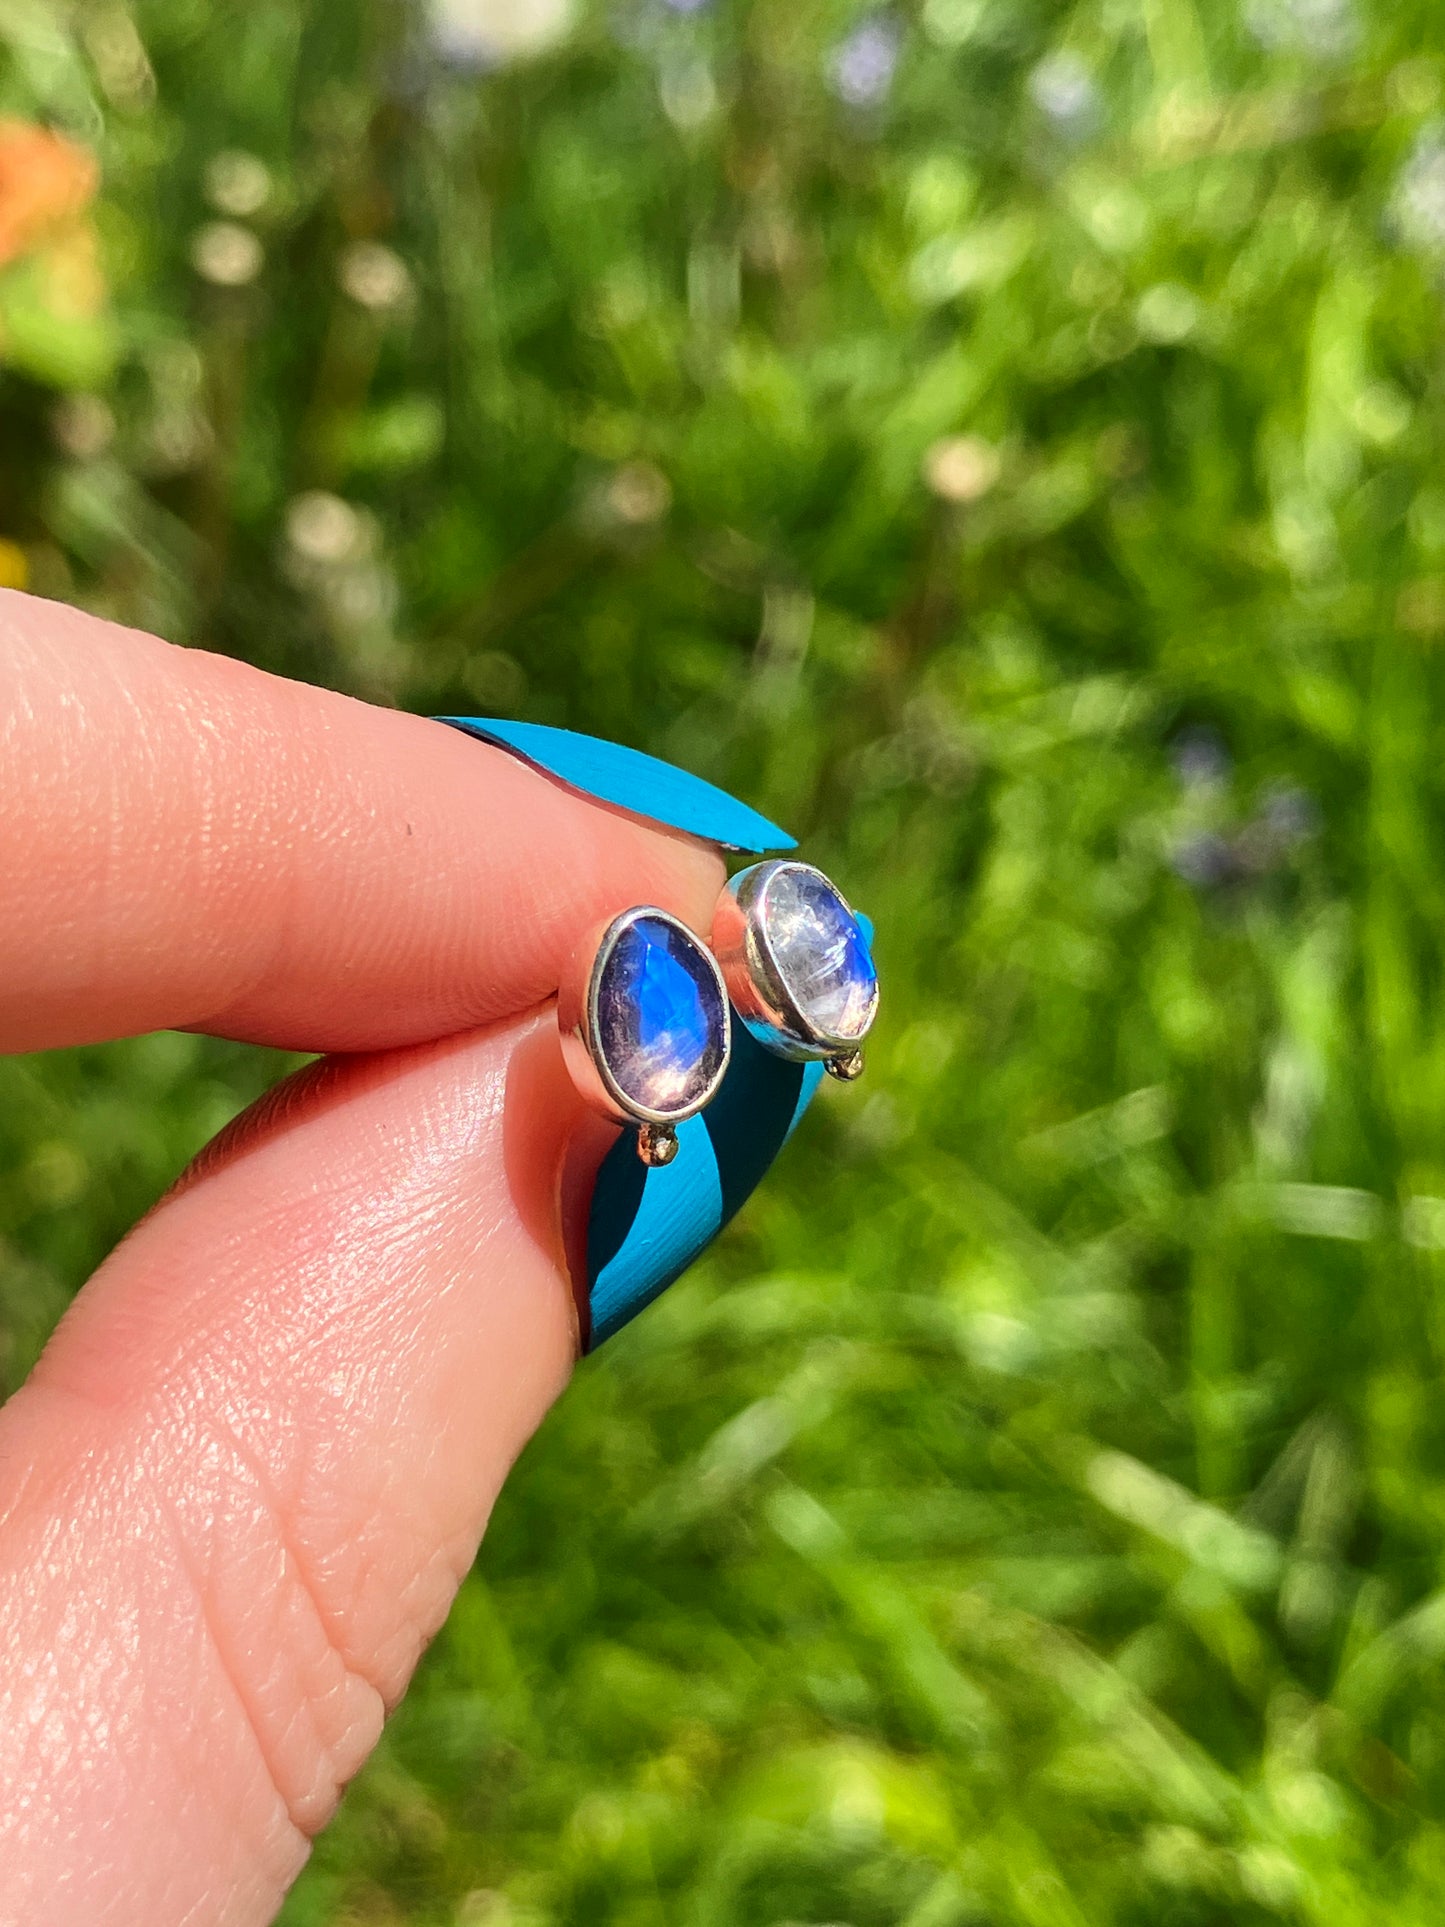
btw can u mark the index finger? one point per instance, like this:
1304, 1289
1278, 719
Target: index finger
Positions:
189, 843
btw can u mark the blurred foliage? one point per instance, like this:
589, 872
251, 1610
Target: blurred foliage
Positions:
1001, 439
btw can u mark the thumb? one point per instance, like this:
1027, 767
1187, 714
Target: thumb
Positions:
240, 1490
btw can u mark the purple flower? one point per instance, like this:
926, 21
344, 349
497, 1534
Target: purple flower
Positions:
1204, 860
1291, 814
861, 68
1200, 758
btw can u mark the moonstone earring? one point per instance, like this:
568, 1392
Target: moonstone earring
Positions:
645, 1025
797, 964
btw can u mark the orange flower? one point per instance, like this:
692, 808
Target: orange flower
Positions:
45, 182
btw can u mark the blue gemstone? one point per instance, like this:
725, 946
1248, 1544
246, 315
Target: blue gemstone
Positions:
661, 1018
821, 954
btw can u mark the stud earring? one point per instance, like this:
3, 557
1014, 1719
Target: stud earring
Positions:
646, 1029
797, 965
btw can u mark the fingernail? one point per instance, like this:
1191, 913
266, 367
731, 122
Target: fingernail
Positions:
630, 780
647, 1226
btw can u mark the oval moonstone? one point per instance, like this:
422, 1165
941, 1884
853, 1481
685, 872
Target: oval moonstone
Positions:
821, 953
661, 1018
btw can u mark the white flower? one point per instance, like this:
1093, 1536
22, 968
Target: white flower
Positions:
961, 468
374, 276
323, 528
1419, 199
1062, 88
226, 254
1324, 28
475, 35
237, 183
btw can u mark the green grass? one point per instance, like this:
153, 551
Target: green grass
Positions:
1031, 1513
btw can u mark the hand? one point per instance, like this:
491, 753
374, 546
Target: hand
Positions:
241, 1487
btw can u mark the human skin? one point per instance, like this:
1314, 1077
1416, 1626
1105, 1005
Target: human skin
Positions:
242, 1485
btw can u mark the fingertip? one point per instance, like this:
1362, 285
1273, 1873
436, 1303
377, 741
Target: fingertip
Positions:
281, 863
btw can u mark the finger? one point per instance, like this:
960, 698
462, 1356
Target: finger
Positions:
189, 843
240, 1489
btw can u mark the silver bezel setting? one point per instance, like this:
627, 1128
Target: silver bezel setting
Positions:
755, 979
577, 1011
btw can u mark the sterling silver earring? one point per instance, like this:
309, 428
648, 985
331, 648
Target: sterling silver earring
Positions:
646, 1029
797, 965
